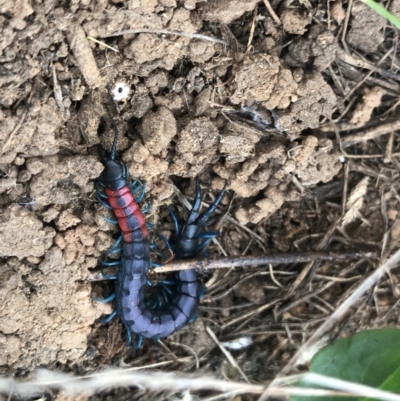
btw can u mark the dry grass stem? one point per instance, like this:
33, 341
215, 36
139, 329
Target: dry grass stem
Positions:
343, 386
272, 12
167, 32
346, 23
253, 24
103, 44
371, 133
389, 148
368, 74
45, 380
57, 90
228, 355
359, 62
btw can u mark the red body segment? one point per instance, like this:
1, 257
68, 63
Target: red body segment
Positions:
128, 213
120, 200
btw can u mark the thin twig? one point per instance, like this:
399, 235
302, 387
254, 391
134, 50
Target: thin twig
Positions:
272, 12
346, 23
167, 32
263, 260
253, 26
346, 170
103, 44
228, 355
389, 148
371, 133
367, 75
310, 266
57, 90
357, 61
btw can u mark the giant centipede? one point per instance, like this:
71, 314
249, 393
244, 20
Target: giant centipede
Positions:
132, 307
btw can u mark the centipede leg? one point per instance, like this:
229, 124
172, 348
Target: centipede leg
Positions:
109, 264
100, 194
108, 276
196, 204
165, 297
139, 342
193, 318
101, 182
126, 172
135, 185
174, 220
165, 288
117, 242
105, 204
113, 251
204, 243
140, 197
155, 248
202, 219
169, 282
105, 300
205, 253
155, 264
202, 292
165, 240
111, 221
108, 318
208, 235
151, 304
158, 303
128, 336
146, 208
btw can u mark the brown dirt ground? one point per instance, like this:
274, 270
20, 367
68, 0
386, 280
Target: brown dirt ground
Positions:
266, 113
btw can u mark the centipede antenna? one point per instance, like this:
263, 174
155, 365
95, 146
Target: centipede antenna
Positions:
114, 145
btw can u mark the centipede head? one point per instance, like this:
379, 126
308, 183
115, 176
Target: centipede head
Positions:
115, 173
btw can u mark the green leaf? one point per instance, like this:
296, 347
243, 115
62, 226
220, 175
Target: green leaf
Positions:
382, 11
370, 357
